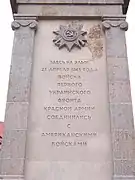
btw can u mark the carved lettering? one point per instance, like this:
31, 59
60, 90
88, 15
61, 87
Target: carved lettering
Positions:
69, 100
69, 143
67, 69
67, 94
69, 77
68, 108
67, 84
84, 108
60, 108
70, 92
67, 62
71, 117
70, 134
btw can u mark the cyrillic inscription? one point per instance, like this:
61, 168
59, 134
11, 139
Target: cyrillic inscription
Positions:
72, 117
69, 93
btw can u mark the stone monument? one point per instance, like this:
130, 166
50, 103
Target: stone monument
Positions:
69, 110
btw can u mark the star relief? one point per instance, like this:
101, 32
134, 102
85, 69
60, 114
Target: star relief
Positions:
70, 36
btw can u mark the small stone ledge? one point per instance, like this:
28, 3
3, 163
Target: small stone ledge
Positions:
14, 177
62, 11
67, 2
123, 177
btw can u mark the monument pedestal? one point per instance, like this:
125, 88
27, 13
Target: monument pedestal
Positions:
69, 109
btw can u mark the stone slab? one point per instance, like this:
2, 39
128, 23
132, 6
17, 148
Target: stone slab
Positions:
119, 92
12, 166
118, 69
123, 148
14, 144
69, 128
68, 170
116, 44
121, 116
124, 168
72, 1
68, 11
20, 73
16, 116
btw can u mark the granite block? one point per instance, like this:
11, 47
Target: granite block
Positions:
118, 69
20, 74
116, 44
123, 145
16, 115
57, 170
124, 168
14, 144
12, 166
119, 92
68, 11
121, 116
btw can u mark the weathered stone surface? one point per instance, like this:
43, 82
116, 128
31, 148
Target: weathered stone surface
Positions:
14, 144
20, 74
115, 36
124, 168
16, 115
69, 11
118, 69
119, 92
121, 116
68, 170
116, 45
12, 166
95, 41
123, 144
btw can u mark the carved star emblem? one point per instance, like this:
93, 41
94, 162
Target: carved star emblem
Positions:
70, 36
